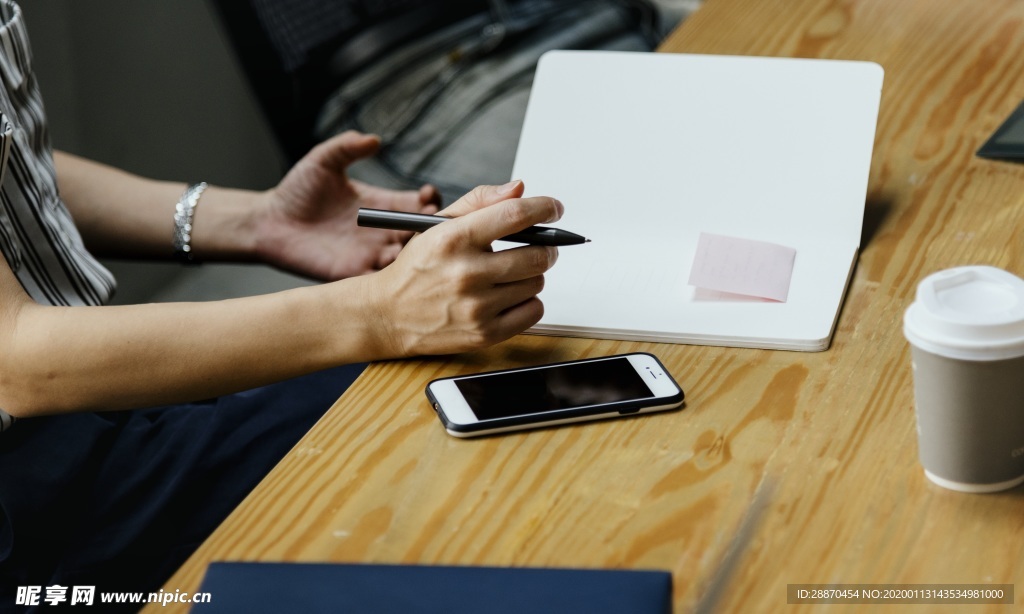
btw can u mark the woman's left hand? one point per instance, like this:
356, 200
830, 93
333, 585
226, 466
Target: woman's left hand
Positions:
307, 224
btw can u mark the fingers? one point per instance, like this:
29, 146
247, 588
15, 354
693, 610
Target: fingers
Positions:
519, 263
455, 303
484, 196
340, 151
509, 296
503, 312
492, 223
489, 213
388, 254
457, 294
500, 310
429, 196
482, 227
517, 319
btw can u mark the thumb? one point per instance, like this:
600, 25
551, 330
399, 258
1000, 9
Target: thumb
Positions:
340, 151
483, 196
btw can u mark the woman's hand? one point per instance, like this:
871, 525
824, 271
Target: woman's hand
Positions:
307, 224
449, 292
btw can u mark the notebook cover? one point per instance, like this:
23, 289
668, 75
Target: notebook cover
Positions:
649, 150
312, 588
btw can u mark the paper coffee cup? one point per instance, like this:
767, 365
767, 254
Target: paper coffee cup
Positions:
966, 331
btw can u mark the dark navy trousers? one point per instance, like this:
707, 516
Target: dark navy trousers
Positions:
119, 500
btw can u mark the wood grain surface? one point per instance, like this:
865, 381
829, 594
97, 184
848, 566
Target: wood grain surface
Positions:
813, 455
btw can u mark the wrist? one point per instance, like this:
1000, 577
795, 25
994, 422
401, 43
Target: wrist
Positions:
184, 212
355, 323
269, 236
224, 225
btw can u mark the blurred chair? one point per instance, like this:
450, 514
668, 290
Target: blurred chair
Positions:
444, 83
296, 52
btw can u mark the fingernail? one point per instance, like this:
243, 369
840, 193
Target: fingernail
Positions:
552, 255
560, 210
508, 187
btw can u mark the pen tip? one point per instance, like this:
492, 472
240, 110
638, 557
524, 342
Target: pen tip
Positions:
587, 241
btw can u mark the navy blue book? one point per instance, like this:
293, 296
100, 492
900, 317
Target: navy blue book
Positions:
312, 588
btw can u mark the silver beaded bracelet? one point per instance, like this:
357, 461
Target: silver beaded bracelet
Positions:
183, 213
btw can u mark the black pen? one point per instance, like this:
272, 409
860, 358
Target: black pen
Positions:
417, 222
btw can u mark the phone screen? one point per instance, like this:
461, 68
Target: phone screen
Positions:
535, 390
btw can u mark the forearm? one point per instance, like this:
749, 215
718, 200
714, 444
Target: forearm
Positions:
446, 292
123, 215
65, 359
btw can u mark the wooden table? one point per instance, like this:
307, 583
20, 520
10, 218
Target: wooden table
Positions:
826, 441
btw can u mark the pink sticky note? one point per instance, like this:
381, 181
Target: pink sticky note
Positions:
743, 266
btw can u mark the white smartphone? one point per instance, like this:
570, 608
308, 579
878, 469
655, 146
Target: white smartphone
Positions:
547, 395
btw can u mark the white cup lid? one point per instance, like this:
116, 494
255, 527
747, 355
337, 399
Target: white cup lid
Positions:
971, 313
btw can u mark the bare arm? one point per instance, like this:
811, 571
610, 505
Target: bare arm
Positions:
59, 359
445, 293
305, 224
124, 215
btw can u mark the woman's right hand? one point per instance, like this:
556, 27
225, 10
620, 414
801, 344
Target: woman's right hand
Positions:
448, 292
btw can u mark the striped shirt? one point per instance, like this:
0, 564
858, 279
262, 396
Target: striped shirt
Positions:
37, 235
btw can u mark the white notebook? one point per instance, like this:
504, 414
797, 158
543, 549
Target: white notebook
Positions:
649, 150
